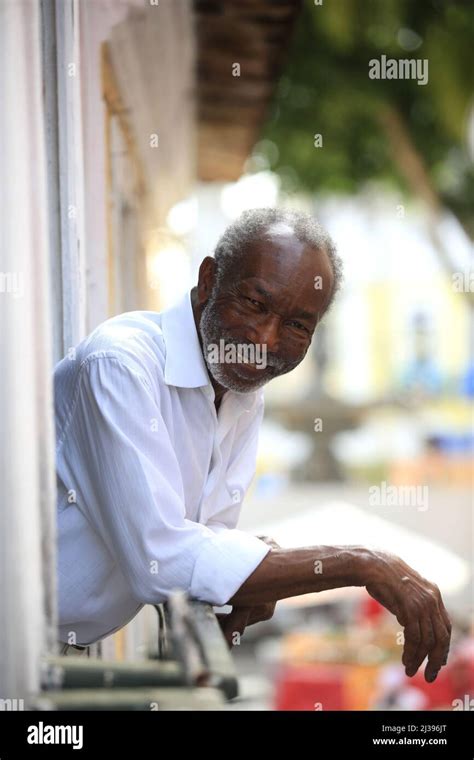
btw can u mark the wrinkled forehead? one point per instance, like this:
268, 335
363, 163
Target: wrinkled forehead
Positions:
278, 253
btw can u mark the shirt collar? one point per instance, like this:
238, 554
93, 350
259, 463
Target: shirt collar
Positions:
184, 361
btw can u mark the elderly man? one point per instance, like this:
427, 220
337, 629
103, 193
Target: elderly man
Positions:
157, 424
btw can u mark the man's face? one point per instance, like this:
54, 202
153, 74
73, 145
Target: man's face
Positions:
266, 314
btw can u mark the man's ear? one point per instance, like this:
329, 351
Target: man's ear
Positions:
207, 274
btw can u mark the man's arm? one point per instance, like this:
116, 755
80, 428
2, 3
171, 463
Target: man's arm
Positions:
416, 603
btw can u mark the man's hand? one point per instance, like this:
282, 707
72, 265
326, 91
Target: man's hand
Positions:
235, 622
240, 617
418, 607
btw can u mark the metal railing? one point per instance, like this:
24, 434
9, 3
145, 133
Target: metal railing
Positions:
191, 668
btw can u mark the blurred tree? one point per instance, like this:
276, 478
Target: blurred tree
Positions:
414, 137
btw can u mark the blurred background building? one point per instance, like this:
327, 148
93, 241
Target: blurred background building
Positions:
132, 133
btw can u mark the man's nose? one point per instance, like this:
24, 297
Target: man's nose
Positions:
267, 333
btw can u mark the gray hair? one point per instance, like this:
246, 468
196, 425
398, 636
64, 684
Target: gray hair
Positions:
253, 224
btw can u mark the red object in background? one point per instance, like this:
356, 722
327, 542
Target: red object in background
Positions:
438, 694
310, 687
350, 687
370, 610
461, 665
454, 682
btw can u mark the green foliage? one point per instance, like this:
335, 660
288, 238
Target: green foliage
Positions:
325, 88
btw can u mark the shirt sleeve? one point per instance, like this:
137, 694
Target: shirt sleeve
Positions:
118, 451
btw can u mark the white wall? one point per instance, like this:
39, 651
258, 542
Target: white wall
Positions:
26, 446
54, 259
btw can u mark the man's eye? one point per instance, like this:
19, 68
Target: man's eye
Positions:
298, 325
254, 301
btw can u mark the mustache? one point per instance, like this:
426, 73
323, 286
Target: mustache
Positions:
272, 360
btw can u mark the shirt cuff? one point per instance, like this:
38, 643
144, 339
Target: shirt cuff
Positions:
224, 564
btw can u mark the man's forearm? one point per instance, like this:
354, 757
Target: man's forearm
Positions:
416, 603
292, 572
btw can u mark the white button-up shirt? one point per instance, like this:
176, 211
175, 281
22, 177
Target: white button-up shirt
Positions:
150, 478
